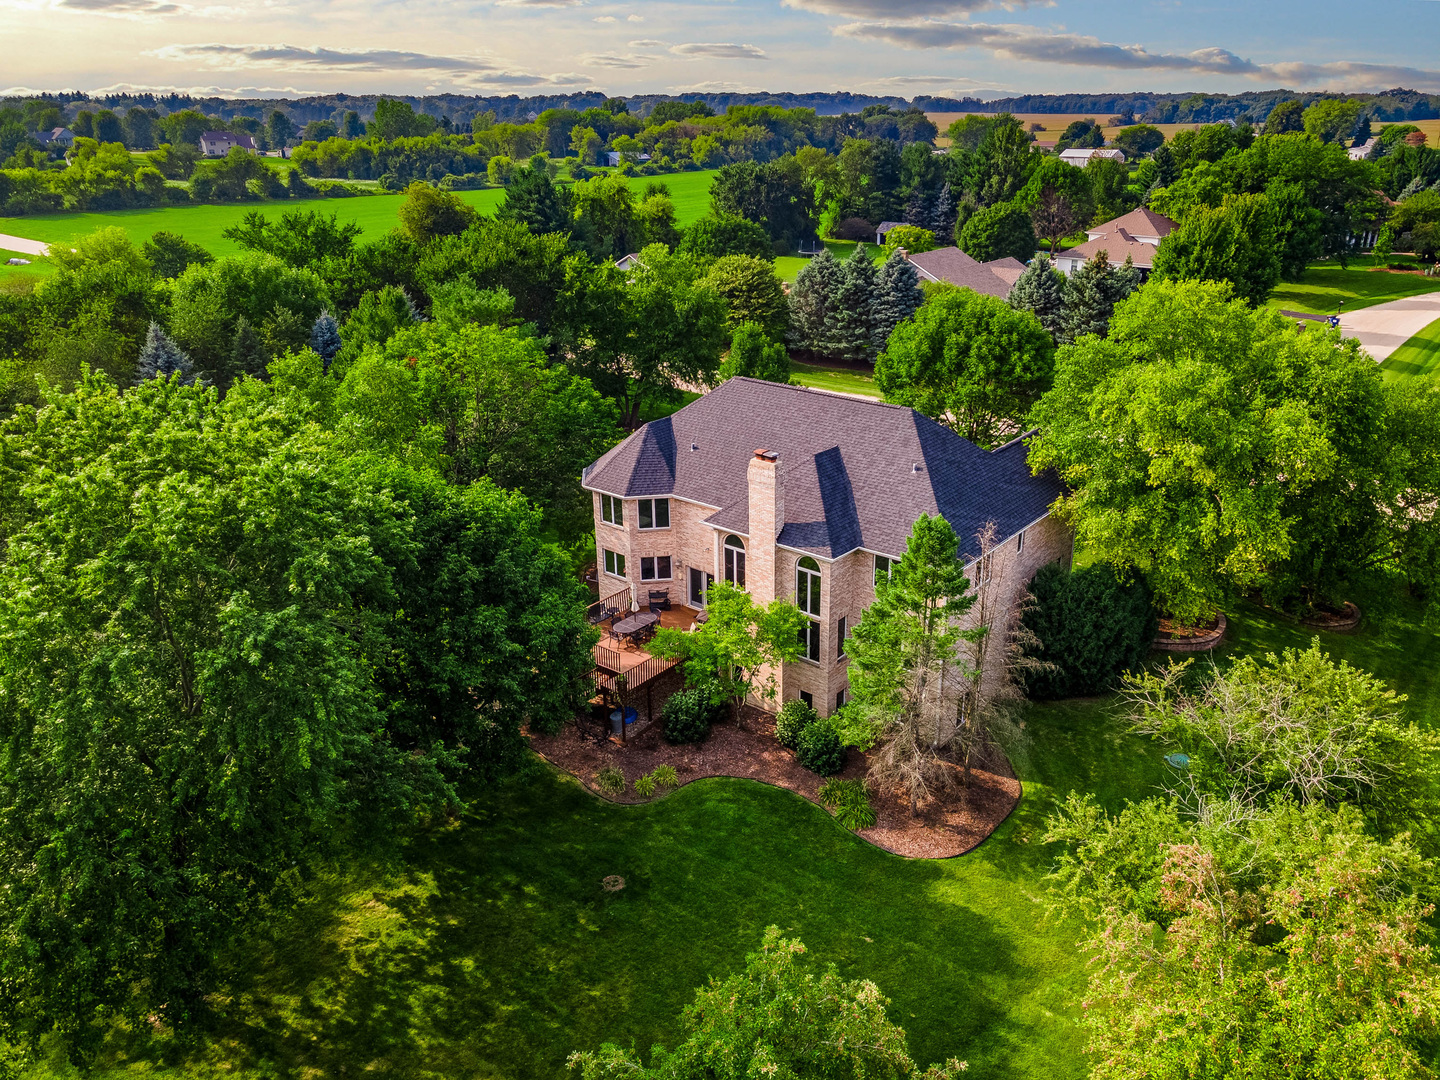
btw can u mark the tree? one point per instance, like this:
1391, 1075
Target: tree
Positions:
1139, 140
1091, 294
325, 337
910, 237
655, 217
971, 362
1216, 451
248, 354
752, 292
776, 1018
299, 238
718, 235
351, 126
1285, 116
139, 128
854, 324
813, 300
1235, 243
428, 213
1332, 119
280, 129
170, 254
897, 297
532, 199
161, 358
1053, 217
398, 120
755, 355
773, 195
906, 668
996, 232
605, 224
586, 143
1085, 134
1040, 290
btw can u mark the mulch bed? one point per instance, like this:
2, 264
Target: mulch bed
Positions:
1321, 619
951, 825
1177, 637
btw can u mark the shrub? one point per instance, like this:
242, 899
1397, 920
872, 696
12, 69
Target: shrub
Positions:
687, 716
610, 780
849, 800
1090, 626
795, 716
819, 749
645, 786
664, 776
854, 228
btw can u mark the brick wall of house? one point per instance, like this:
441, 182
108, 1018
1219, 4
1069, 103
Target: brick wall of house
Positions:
688, 541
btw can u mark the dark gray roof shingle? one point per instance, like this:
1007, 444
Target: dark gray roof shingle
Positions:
855, 472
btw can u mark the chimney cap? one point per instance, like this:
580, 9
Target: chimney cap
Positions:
767, 455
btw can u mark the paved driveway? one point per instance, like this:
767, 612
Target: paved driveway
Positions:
19, 243
1385, 327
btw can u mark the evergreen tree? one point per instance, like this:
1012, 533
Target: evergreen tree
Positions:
248, 355
813, 301
161, 358
897, 296
325, 337
1090, 295
1041, 291
855, 308
942, 212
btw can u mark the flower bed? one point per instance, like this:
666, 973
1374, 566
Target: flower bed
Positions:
1176, 638
952, 825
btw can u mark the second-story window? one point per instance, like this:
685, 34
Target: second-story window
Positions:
612, 509
883, 566
807, 599
735, 561
654, 513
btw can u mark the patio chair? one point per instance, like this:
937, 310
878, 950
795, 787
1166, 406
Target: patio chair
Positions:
659, 599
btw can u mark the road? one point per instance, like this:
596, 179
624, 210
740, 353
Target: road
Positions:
1385, 327
19, 243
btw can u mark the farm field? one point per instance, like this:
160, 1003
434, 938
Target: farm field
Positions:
485, 947
1323, 287
374, 213
1417, 358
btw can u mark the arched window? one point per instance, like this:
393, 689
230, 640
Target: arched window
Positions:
807, 599
735, 561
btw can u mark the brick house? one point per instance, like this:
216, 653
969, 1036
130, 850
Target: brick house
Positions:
810, 496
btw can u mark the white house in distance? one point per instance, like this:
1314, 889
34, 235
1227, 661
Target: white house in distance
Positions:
1136, 234
220, 143
1082, 156
1364, 150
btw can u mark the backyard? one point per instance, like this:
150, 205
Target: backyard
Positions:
1324, 287
1417, 358
485, 947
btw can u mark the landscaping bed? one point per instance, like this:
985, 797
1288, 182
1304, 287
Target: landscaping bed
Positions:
747, 749
1175, 637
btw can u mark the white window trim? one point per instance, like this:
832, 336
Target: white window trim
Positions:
652, 500
645, 579
618, 556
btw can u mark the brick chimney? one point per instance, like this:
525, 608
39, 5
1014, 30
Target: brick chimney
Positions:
767, 518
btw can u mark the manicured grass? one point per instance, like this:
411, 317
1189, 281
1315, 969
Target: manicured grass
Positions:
788, 266
486, 947
1323, 287
839, 379
376, 214
1417, 358
39, 265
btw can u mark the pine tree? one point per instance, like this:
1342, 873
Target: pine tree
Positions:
812, 303
943, 213
897, 296
1040, 290
1090, 296
248, 355
325, 337
161, 358
855, 308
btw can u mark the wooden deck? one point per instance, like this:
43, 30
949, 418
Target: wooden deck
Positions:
610, 654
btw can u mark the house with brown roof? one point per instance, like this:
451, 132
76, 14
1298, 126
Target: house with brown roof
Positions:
950, 264
1135, 235
790, 492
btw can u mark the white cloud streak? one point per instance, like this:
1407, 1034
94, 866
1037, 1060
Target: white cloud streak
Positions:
717, 50
908, 9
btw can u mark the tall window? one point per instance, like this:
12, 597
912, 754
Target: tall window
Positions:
612, 510
735, 561
883, 566
840, 638
654, 513
655, 568
1020, 540
807, 599
614, 563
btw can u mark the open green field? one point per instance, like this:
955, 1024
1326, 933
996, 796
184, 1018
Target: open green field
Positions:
1322, 288
486, 948
375, 214
1417, 358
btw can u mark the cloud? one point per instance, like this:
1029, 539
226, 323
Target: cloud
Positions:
1027, 43
318, 58
647, 43
201, 91
716, 87
604, 18
607, 60
538, 3
632, 17
908, 9
715, 50
123, 8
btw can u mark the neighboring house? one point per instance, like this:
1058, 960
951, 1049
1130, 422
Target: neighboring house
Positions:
883, 228
61, 136
220, 143
614, 157
1136, 235
628, 262
954, 266
1082, 156
809, 496
1364, 150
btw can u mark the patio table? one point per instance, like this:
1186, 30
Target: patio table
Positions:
635, 623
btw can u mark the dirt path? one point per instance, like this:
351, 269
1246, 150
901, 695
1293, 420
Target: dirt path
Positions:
1385, 327
20, 244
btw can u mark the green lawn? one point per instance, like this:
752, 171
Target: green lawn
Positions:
1323, 287
787, 266
1418, 357
842, 380
375, 214
39, 266
487, 948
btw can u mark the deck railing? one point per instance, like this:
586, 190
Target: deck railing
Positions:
620, 601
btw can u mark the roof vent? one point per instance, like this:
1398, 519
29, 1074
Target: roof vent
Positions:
694, 446
915, 468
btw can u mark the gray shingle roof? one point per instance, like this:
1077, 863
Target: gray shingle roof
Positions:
953, 265
847, 464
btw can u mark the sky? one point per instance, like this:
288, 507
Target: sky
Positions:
903, 47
